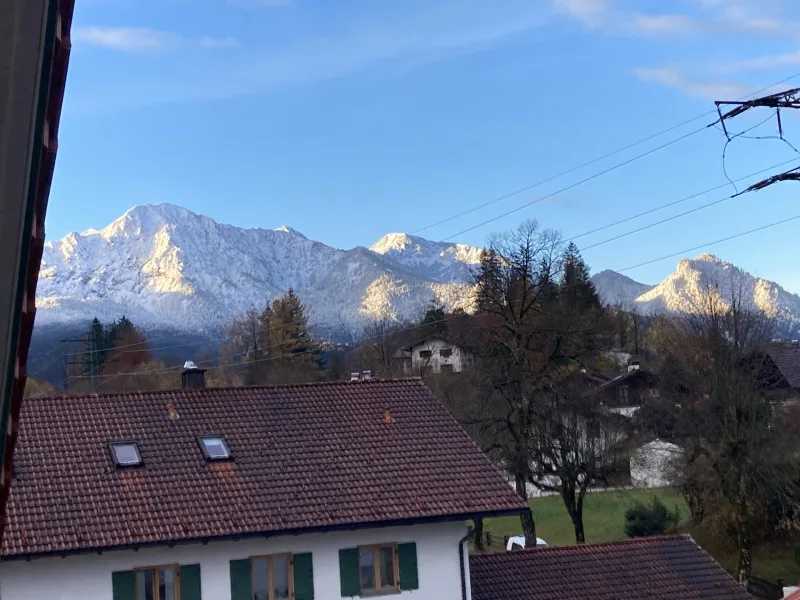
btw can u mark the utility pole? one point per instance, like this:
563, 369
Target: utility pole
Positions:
789, 99
67, 363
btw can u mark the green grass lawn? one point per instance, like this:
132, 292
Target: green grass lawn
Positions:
604, 521
603, 516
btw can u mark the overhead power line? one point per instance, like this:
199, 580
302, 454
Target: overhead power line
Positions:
593, 161
676, 202
726, 239
672, 218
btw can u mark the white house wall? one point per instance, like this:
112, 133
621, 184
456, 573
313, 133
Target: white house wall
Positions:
458, 359
88, 576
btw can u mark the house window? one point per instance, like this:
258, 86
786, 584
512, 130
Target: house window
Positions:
157, 583
272, 577
125, 454
378, 568
446, 352
214, 447
624, 394
426, 354
446, 368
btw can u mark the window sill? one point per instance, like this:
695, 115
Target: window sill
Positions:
378, 593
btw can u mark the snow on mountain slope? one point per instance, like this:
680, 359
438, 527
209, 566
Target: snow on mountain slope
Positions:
687, 290
617, 289
167, 267
438, 261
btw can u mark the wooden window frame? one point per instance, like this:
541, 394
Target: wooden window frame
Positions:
271, 574
376, 565
176, 567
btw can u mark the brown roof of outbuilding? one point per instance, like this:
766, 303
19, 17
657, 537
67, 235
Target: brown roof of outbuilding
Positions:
787, 359
667, 568
305, 457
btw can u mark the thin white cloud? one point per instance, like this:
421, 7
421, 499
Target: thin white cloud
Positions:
764, 63
702, 89
674, 24
591, 13
124, 39
135, 40
425, 33
718, 17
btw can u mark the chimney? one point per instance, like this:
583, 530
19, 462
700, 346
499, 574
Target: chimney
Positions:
633, 366
366, 375
355, 376
192, 377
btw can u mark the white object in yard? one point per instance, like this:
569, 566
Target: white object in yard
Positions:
518, 543
650, 464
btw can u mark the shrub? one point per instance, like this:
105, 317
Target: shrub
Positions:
643, 520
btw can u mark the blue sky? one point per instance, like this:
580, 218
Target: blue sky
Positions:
350, 119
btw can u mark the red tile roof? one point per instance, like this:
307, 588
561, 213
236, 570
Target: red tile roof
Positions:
305, 457
666, 568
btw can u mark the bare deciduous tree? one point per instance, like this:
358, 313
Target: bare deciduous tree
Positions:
733, 448
538, 315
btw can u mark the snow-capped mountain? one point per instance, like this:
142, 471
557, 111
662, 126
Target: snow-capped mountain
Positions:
687, 290
168, 268
617, 289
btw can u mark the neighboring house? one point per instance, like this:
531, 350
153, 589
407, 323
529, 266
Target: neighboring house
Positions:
308, 491
782, 371
663, 568
435, 355
34, 54
628, 391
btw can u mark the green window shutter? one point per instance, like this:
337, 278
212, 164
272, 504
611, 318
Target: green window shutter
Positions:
241, 584
348, 572
407, 563
303, 568
123, 584
190, 582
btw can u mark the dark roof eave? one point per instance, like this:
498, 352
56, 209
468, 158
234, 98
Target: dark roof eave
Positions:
509, 512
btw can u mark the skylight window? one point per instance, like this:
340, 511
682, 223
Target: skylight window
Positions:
125, 454
214, 447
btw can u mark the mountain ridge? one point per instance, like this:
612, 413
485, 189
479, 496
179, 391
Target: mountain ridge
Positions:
170, 269
686, 291
167, 267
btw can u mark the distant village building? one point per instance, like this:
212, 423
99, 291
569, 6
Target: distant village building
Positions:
435, 355
626, 392
781, 370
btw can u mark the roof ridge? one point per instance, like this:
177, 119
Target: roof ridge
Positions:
273, 386
586, 547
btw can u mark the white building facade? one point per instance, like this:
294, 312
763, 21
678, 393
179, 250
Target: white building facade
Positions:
209, 571
439, 356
